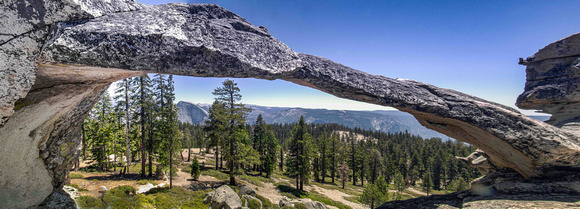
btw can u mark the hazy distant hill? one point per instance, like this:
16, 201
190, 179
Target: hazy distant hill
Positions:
386, 121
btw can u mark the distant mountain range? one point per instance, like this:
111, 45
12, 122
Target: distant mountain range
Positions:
383, 120
386, 121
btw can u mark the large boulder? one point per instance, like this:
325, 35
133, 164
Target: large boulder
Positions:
223, 197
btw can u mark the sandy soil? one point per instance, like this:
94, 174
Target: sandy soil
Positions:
338, 196
93, 181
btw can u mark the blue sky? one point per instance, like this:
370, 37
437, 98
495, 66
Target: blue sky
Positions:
469, 46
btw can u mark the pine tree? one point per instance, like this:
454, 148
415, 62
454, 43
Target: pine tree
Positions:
344, 173
215, 128
427, 182
375, 165
299, 154
334, 141
167, 128
375, 194
124, 105
400, 185
259, 140
195, 170
270, 147
235, 114
143, 98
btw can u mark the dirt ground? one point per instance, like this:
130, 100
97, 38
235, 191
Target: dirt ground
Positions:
93, 181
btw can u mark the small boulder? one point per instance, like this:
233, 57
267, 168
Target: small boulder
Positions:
249, 198
102, 189
223, 197
307, 202
247, 190
73, 192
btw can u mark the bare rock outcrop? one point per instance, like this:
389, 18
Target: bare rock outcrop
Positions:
552, 83
208, 41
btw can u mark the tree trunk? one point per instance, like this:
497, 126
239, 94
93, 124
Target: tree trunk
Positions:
216, 154
333, 160
128, 137
142, 112
150, 155
171, 163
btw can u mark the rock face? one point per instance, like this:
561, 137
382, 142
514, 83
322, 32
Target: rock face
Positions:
42, 135
42, 139
24, 29
552, 78
191, 113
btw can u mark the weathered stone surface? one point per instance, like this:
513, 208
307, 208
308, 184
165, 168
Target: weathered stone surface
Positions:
552, 83
466, 200
223, 197
41, 139
479, 160
188, 112
24, 26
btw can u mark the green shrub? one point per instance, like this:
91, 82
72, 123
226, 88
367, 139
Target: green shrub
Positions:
119, 193
163, 201
195, 204
89, 202
256, 180
266, 203
216, 174
300, 206
76, 176
145, 181
282, 183
186, 169
165, 197
292, 190
287, 207
195, 171
254, 204
243, 202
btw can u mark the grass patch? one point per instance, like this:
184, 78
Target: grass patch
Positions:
325, 200
145, 181
217, 174
186, 169
76, 176
352, 199
89, 202
256, 180
124, 197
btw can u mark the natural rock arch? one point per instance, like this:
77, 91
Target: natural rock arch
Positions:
71, 50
